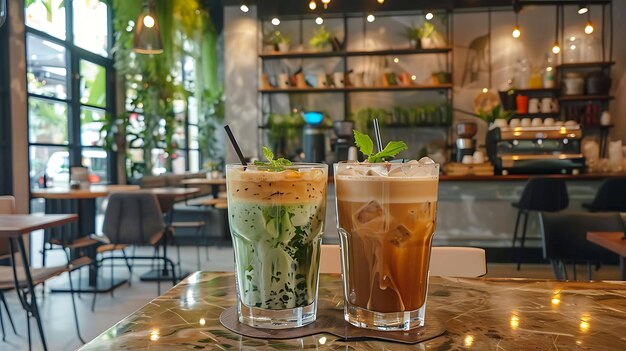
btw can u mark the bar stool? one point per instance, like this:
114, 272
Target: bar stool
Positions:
542, 195
611, 196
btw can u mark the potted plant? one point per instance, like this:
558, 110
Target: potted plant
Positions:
278, 41
414, 36
425, 33
441, 77
495, 113
322, 38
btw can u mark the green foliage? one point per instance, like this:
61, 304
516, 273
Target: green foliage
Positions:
275, 37
153, 82
496, 113
321, 38
365, 144
271, 164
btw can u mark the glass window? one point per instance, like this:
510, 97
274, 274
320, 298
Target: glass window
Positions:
46, 67
52, 161
96, 161
92, 84
47, 121
91, 122
194, 161
47, 16
91, 26
179, 162
193, 137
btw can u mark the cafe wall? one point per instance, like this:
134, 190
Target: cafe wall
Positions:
537, 25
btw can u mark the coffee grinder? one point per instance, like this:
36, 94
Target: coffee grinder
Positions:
344, 140
314, 137
465, 144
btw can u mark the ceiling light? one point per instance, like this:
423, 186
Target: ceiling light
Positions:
319, 20
244, 8
516, 32
370, 18
589, 28
556, 48
381, 1
582, 9
312, 5
325, 2
429, 16
275, 21
147, 38
396, 60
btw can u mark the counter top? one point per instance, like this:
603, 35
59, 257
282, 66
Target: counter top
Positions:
481, 314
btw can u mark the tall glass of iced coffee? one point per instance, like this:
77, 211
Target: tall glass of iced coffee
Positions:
276, 216
386, 220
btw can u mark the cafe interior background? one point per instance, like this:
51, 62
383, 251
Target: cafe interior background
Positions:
76, 88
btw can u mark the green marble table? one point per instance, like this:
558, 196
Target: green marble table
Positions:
481, 314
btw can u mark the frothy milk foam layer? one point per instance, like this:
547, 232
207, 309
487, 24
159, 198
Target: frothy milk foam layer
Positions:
394, 189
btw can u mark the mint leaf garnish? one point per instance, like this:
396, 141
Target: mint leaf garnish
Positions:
271, 164
366, 145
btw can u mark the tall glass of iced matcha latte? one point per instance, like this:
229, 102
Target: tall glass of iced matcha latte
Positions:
276, 216
386, 219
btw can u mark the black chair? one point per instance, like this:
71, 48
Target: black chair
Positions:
135, 218
611, 196
542, 195
564, 238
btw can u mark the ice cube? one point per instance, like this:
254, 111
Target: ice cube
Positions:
405, 170
369, 212
399, 235
379, 171
426, 161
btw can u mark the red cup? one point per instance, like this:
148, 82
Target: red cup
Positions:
521, 102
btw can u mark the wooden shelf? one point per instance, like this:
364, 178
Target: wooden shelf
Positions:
535, 115
301, 90
301, 54
416, 126
385, 52
398, 52
568, 98
535, 90
401, 87
585, 65
358, 89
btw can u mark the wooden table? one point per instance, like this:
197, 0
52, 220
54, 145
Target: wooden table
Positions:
479, 314
612, 241
83, 202
215, 184
13, 227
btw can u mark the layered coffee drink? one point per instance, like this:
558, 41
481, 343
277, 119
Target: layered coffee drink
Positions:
276, 220
386, 216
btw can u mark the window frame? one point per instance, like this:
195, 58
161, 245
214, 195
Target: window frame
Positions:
74, 54
6, 176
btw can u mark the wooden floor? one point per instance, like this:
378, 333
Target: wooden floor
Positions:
61, 334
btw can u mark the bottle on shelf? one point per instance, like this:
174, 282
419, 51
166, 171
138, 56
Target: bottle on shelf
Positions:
548, 72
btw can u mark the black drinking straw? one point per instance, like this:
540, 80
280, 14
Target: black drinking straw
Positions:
379, 142
235, 145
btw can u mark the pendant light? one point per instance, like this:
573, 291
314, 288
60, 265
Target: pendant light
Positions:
312, 5
147, 38
516, 31
325, 2
589, 25
556, 48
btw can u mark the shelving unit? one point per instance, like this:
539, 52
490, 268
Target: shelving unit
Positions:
344, 59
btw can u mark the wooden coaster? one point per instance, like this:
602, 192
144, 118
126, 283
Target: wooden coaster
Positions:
331, 321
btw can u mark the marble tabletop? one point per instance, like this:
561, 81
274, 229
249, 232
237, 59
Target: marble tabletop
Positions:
481, 314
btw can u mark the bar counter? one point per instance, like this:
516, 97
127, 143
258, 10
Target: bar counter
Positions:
481, 314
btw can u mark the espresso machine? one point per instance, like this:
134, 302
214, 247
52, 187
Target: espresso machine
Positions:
314, 137
344, 140
465, 143
536, 150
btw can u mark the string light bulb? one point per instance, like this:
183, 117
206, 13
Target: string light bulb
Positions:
556, 48
582, 9
244, 8
325, 2
381, 1
319, 20
429, 16
312, 5
589, 28
275, 21
370, 18
516, 30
